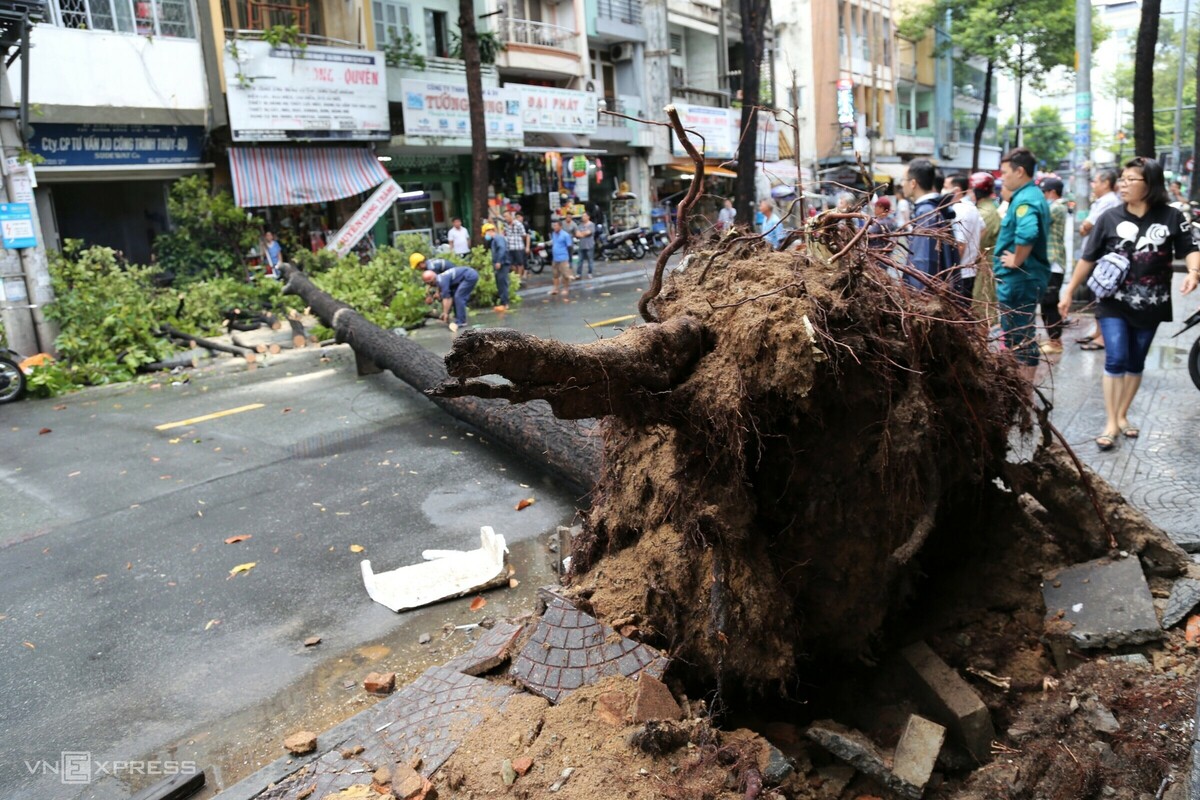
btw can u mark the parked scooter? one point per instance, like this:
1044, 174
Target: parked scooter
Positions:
539, 254
622, 245
1193, 359
12, 379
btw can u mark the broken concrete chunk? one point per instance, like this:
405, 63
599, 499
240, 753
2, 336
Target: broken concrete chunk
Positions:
1130, 658
507, 773
861, 753
407, 784
489, 652
380, 682
562, 779
949, 700
1099, 717
301, 743
1185, 596
450, 574
522, 765
1101, 603
654, 701
613, 708
777, 767
918, 750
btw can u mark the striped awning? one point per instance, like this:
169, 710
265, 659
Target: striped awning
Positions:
293, 176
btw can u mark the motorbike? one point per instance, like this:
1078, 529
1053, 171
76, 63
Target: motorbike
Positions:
621, 245
12, 379
539, 254
1193, 358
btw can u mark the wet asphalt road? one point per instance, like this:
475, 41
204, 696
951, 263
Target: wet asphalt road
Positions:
122, 633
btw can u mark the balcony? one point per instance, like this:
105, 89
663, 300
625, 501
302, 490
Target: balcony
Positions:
915, 144
538, 49
699, 97
166, 18
619, 21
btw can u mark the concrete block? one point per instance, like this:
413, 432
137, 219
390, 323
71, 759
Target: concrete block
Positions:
949, 700
918, 750
861, 753
1101, 603
1185, 596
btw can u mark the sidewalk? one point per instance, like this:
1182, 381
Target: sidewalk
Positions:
1158, 472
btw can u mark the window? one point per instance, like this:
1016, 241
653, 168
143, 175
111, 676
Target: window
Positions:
437, 34
526, 9
171, 18
391, 21
259, 15
922, 120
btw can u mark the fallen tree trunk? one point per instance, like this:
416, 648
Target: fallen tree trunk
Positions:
197, 341
568, 449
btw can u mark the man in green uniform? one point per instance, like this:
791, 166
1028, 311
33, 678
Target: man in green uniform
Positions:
1020, 262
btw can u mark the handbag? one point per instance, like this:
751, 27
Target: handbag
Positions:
1109, 274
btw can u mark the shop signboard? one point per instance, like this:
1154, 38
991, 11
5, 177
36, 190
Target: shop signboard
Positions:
441, 111
717, 126
86, 145
365, 218
767, 144
547, 110
16, 226
305, 94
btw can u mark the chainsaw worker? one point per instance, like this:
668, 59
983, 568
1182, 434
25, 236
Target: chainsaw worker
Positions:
438, 265
454, 286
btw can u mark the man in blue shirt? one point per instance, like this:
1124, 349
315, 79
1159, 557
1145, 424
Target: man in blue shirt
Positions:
1020, 261
274, 254
560, 254
772, 225
931, 247
500, 262
453, 286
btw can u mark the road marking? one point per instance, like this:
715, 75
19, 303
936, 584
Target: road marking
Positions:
168, 425
612, 321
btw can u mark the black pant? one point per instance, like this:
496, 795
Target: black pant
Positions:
1050, 316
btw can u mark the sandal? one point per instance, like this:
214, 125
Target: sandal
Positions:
1091, 346
1085, 339
1105, 442
1132, 432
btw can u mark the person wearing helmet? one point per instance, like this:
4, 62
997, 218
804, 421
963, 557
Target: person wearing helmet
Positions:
438, 265
454, 287
983, 186
498, 247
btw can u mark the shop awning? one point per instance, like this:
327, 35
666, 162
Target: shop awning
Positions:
292, 176
785, 143
710, 170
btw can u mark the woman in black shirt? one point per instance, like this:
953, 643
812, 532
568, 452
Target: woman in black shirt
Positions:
1151, 233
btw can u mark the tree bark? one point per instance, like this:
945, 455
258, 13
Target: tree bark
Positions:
981, 126
1194, 191
1020, 86
1143, 79
619, 377
479, 151
570, 450
753, 32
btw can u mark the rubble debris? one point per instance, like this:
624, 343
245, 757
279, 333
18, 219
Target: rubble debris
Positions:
774, 766
570, 649
507, 773
1099, 717
834, 779
408, 784
1185, 596
489, 652
562, 779
658, 738
918, 750
654, 701
424, 638
1100, 603
451, 574
613, 708
522, 765
1130, 658
380, 682
950, 700
301, 743
861, 753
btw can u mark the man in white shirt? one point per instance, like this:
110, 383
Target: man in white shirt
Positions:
459, 238
968, 228
1104, 197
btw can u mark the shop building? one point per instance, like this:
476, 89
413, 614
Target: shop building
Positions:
121, 111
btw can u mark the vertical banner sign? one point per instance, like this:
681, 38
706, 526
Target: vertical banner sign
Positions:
847, 117
365, 218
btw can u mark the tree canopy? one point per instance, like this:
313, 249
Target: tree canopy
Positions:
1044, 132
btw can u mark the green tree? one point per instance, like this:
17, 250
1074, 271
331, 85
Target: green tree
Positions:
1120, 85
1024, 38
210, 234
1047, 136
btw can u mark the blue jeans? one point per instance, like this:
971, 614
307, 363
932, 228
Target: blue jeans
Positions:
1125, 347
585, 254
502, 284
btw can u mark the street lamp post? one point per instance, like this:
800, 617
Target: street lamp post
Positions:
1175, 154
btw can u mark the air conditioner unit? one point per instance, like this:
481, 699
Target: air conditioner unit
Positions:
950, 150
622, 51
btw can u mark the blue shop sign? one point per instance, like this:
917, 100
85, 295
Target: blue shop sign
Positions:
16, 226
71, 145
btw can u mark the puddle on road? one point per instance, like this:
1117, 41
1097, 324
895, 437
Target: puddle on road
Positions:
243, 743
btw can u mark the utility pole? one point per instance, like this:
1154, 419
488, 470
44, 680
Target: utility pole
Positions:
1175, 155
1083, 109
24, 272
796, 144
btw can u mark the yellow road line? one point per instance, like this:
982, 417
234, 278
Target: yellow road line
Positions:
612, 321
168, 425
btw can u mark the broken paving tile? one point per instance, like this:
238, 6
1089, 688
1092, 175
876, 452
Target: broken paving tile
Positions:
1101, 603
654, 701
570, 649
1185, 596
950, 700
489, 652
918, 750
861, 753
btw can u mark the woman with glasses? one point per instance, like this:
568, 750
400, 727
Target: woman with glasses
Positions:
1151, 233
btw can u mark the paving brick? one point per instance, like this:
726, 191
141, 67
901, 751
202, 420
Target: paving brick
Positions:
1185, 596
489, 652
654, 701
861, 753
918, 750
948, 699
578, 651
1101, 603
